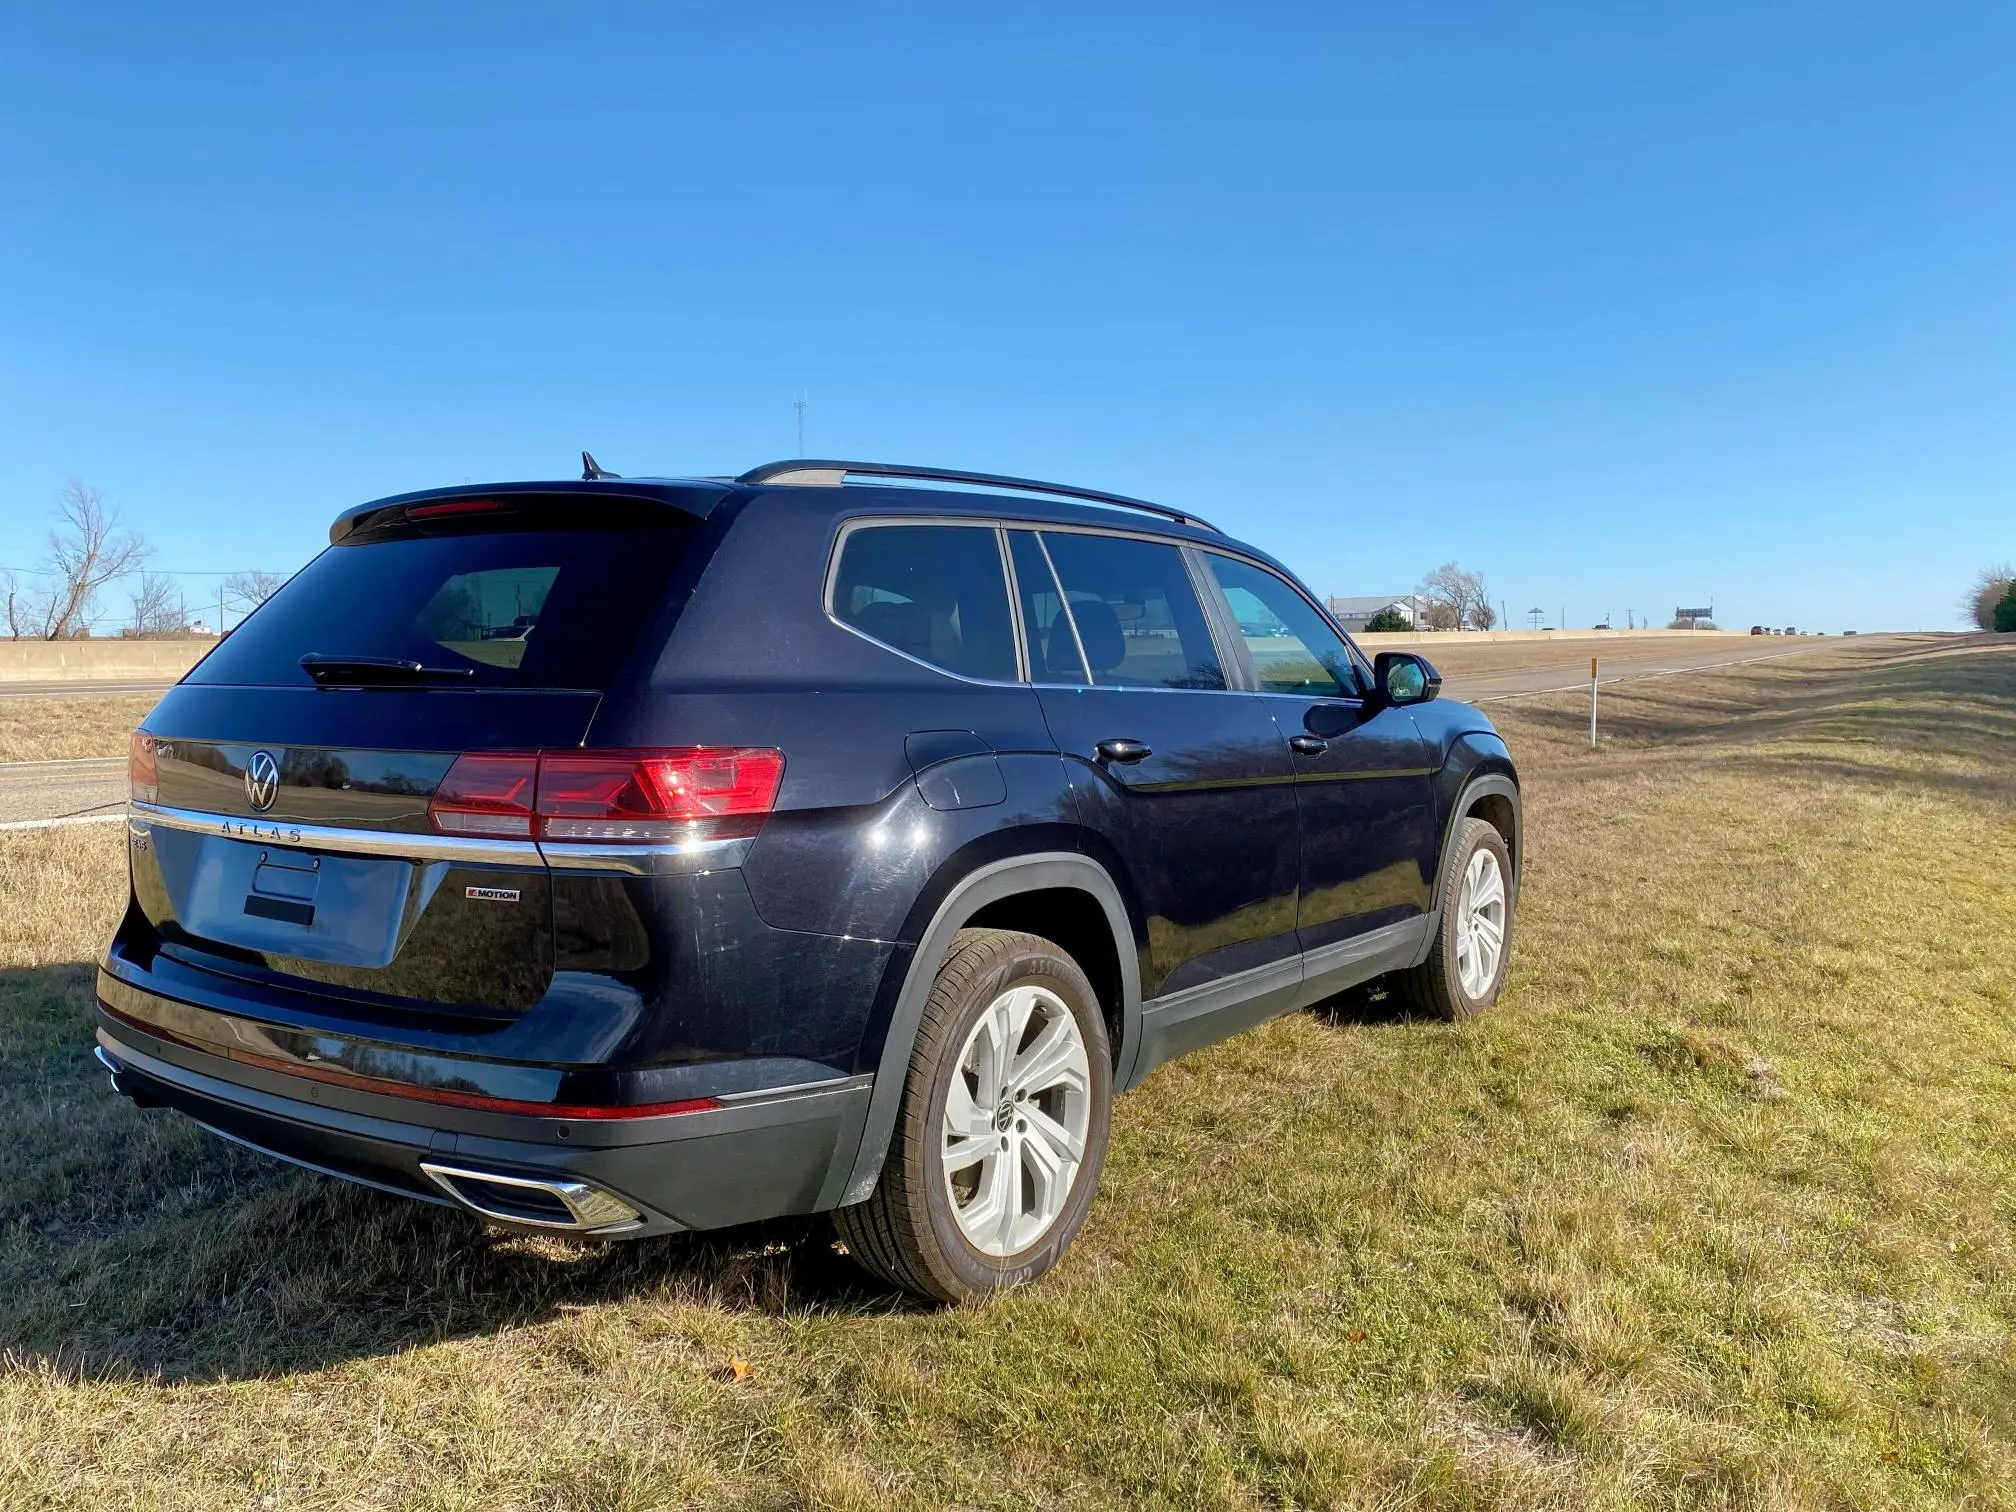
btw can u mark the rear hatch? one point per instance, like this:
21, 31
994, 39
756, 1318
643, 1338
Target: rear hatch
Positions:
287, 823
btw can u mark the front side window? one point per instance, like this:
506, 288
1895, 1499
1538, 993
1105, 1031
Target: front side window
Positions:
1136, 613
935, 592
1293, 649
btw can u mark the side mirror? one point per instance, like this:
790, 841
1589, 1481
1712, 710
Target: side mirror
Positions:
1400, 678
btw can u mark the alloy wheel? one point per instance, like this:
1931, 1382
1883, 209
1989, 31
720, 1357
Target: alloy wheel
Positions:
1016, 1120
1480, 923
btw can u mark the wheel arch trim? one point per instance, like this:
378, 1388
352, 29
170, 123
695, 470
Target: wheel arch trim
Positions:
1485, 784
992, 883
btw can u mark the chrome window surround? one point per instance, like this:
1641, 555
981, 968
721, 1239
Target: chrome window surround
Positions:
636, 860
1232, 658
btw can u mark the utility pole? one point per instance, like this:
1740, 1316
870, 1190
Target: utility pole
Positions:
799, 404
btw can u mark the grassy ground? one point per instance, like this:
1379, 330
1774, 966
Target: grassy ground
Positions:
56, 729
1714, 1209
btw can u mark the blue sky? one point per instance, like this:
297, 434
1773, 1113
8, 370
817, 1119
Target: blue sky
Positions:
1622, 306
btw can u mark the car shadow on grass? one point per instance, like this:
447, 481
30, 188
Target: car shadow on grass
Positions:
134, 1244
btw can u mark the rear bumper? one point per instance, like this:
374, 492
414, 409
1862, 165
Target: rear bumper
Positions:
756, 1155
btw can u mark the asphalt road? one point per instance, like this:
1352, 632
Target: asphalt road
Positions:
33, 794
79, 689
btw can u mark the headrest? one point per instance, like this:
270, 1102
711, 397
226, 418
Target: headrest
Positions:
1099, 628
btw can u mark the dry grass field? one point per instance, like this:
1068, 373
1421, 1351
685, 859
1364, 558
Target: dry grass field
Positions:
57, 729
1713, 1210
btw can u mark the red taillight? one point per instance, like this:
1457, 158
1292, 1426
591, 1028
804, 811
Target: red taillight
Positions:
452, 507
611, 797
488, 793
141, 775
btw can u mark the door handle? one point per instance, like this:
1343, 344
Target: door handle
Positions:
1126, 752
1308, 745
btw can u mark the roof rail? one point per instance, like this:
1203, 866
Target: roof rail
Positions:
833, 474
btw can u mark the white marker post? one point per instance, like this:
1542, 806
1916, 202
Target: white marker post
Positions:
1592, 703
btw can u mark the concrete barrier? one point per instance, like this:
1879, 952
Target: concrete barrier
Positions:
1394, 640
149, 661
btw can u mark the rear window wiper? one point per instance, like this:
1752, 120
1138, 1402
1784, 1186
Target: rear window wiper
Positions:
384, 671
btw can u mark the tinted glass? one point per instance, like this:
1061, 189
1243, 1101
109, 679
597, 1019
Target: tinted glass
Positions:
1137, 615
1293, 649
515, 608
1053, 650
936, 592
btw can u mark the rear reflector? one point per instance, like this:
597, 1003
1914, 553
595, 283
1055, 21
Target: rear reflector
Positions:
611, 797
141, 775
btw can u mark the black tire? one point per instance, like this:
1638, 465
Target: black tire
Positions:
906, 1233
1435, 987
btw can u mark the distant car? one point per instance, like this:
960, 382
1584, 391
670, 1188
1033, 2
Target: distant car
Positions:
1599, 627
1757, 630
1789, 630
1847, 632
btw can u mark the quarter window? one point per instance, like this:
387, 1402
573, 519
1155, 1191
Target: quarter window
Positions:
1293, 649
1136, 612
935, 592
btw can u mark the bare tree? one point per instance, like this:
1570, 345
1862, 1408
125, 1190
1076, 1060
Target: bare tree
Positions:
251, 589
16, 607
1991, 585
158, 609
1456, 598
87, 550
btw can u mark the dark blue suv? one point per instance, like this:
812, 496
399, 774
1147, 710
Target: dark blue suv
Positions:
618, 857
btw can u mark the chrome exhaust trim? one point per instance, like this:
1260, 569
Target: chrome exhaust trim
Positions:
515, 1199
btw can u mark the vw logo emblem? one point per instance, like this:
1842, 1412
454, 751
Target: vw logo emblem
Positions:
262, 780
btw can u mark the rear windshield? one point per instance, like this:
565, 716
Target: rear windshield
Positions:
518, 608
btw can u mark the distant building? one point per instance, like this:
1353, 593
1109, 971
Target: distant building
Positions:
1357, 613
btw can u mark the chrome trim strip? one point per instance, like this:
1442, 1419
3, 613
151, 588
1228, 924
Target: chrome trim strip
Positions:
646, 860
286, 833
797, 1089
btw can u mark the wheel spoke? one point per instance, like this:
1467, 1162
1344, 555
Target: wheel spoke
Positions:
1490, 889
962, 1114
961, 1153
1058, 1142
1489, 929
1056, 1056
1008, 1186
984, 1217
1050, 1175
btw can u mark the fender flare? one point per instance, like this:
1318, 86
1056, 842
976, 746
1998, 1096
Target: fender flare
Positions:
984, 885
1483, 784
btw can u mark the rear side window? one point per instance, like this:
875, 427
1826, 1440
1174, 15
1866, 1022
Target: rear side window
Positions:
512, 608
935, 592
1137, 614
1046, 629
